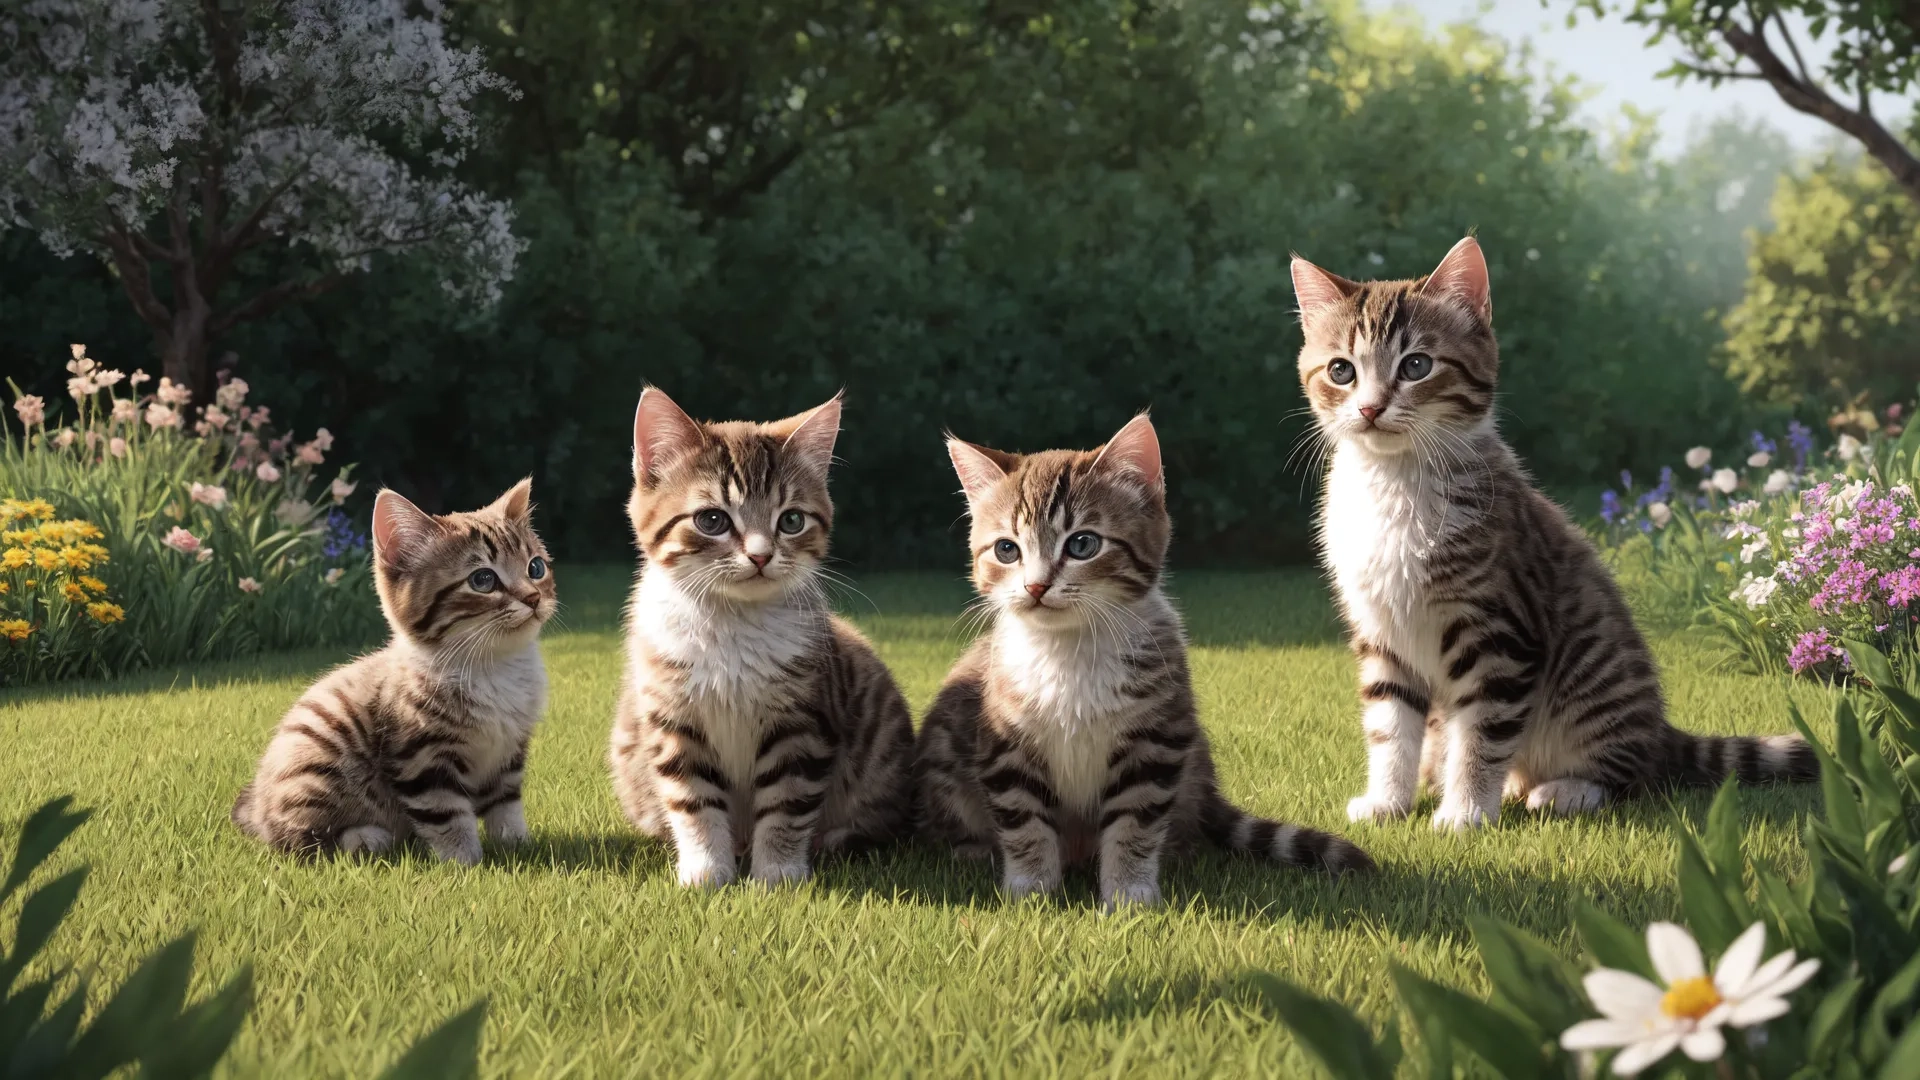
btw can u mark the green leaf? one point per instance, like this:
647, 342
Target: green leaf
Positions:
1881, 943
203, 1033
40, 916
1831, 1025
1497, 1038
1872, 663
1903, 1063
450, 1052
1711, 918
1890, 1011
140, 1015
1723, 832
1329, 1030
45, 830
1792, 923
21, 1010
1611, 942
1843, 811
47, 1045
1439, 1047
1529, 978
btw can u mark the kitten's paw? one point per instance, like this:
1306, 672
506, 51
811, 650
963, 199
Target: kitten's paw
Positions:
1375, 808
365, 840
1019, 886
1567, 796
1139, 894
701, 871
464, 850
1460, 817
1515, 789
507, 824
773, 874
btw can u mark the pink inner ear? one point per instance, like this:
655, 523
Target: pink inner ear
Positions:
662, 431
397, 525
1314, 289
978, 472
1463, 276
815, 436
1136, 449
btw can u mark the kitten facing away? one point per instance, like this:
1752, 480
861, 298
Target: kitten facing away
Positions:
1068, 731
1497, 656
751, 721
428, 736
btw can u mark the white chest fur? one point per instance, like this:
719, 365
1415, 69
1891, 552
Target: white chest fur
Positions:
1384, 519
507, 695
735, 658
1072, 701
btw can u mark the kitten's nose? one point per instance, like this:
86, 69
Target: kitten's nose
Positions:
1036, 589
1369, 411
759, 560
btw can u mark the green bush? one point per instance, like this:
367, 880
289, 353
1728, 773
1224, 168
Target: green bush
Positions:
175, 544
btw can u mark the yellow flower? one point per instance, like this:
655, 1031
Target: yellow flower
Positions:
92, 583
73, 592
77, 558
16, 629
104, 612
46, 559
3, 588
31, 583
22, 539
14, 509
86, 530
14, 558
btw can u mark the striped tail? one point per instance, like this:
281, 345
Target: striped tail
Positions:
1234, 829
1707, 760
242, 814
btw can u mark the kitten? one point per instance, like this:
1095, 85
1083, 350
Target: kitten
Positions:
428, 736
751, 719
1068, 731
1484, 621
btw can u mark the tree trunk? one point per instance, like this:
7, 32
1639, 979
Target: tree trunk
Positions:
183, 352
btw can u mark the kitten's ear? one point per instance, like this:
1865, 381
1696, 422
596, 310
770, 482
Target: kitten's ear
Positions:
979, 467
1316, 290
1136, 450
517, 502
1462, 275
399, 528
811, 434
662, 431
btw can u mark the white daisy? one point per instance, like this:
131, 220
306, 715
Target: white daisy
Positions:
1648, 1022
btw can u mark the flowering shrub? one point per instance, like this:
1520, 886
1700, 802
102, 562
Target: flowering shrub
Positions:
1785, 555
224, 538
1820, 977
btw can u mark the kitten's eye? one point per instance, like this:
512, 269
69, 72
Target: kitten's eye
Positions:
1083, 545
1006, 551
712, 522
1416, 366
792, 522
1341, 372
483, 580
537, 569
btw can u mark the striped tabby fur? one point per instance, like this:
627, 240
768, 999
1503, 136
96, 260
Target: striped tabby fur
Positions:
751, 720
1488, 630
1068, 731
428, 736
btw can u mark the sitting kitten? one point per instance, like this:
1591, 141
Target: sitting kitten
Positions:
428, 736
1484, 620
751, 719
1068, 730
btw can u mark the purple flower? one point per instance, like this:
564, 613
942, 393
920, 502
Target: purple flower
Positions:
1764, 445
341, 537
1814, 647
1850, 583
1610, 508
1902, 586
1626, 480
1800, 437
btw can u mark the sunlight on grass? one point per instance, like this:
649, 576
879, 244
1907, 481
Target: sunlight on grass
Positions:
598, 965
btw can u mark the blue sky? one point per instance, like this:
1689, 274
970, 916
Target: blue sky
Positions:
1617, 65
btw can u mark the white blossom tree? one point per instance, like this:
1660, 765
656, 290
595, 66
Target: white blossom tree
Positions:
174, 138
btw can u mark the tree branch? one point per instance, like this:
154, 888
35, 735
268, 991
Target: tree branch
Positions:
271, 300
136, 279
1814, 101
1786, 35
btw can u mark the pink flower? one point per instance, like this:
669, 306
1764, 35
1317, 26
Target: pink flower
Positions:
125, 410
204, 555
257, 418
65, 438
267, 472
212, 495
138, 377
280, 444
172, 393
212, 414
117, 446
310, 454
93, 438
232, 394
249, 585
82, 387
1893, 411
182, 541
323, 440
32, 409
341, 489
1902, 586
161, 416
1813, 648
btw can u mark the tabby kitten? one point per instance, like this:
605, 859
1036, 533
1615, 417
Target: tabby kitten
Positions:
428, 736
751, 720
1483, 619
1068, 731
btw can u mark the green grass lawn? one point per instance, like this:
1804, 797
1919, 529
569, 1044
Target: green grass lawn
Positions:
908, 963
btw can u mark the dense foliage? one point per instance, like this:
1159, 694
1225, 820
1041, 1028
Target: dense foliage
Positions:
1020, 228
